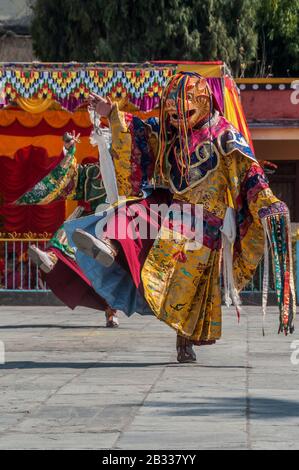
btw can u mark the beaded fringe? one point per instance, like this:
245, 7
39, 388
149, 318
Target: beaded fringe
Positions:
277, 230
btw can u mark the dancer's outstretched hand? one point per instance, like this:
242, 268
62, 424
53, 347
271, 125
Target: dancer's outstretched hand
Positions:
76, 137
100, 105
70, 139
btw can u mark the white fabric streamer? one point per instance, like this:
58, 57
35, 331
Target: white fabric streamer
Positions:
102, 138
228, 236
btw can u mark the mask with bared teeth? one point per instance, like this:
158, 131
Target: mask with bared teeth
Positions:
189, 104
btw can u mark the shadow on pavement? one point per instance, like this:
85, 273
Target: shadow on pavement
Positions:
101, 365
77, 365
63, 327
254, 408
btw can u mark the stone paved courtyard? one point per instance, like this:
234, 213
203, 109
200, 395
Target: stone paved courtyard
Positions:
69, 383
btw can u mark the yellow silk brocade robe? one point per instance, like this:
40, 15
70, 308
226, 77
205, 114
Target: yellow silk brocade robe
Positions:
186, 294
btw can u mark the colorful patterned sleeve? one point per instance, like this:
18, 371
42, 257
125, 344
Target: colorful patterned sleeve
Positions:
263, 228
134, 150
68, 180
59, 183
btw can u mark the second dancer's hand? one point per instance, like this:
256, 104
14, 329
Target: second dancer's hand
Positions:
102, 106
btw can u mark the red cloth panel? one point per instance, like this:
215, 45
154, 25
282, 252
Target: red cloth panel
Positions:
17, 176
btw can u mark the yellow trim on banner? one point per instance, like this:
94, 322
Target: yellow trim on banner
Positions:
34, 105
265, 80
210, 71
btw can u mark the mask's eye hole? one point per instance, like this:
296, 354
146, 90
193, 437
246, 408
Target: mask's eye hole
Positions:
189, 96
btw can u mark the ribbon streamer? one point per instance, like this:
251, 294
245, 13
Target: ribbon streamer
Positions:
101, 137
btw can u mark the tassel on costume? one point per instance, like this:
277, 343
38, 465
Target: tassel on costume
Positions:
277, 229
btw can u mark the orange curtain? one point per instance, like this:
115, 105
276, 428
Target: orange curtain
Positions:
55, 119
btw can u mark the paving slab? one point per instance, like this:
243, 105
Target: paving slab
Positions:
70, 383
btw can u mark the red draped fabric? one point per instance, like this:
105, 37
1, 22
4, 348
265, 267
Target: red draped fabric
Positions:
75, 289
19, 174
135, 248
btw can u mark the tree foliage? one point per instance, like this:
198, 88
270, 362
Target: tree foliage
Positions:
249, 35
66, 30
278, 28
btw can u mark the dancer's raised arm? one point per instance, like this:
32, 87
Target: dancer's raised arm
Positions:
134, 145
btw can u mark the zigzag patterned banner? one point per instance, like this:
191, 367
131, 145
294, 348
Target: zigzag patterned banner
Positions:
70, 84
